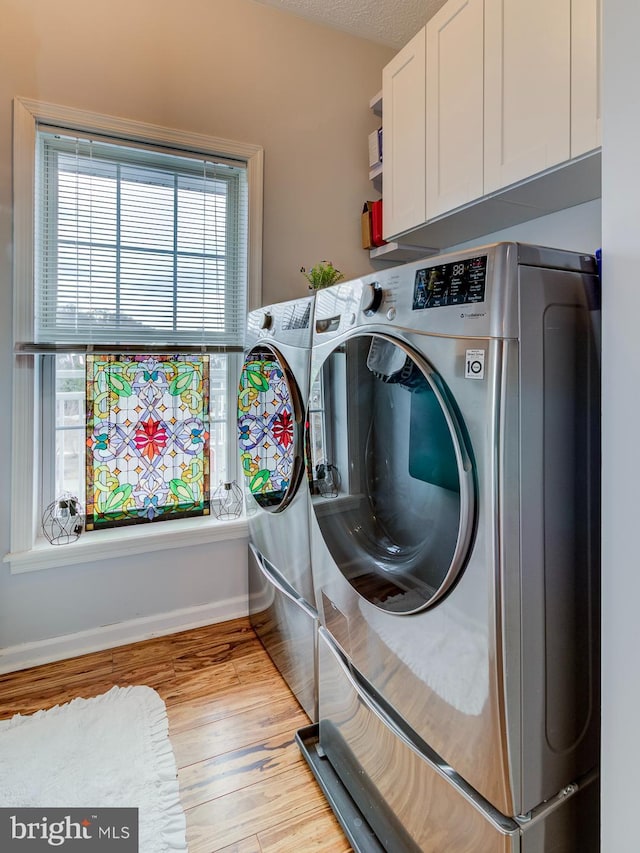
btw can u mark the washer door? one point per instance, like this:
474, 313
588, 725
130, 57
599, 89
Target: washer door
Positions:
270, 428
400, 524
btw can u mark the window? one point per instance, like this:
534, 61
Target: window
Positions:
133, 273
317, 428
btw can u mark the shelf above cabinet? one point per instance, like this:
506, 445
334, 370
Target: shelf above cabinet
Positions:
375, 176
375, 104
375, 171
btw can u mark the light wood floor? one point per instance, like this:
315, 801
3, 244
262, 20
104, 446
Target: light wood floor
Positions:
232, 719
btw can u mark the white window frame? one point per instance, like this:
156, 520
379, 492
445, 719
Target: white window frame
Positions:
29, 551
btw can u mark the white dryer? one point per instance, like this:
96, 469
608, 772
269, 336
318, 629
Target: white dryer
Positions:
456, 571
273, 388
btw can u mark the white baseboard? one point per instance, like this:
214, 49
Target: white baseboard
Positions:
13, 658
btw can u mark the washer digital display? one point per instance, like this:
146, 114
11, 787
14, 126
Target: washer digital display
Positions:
457, 283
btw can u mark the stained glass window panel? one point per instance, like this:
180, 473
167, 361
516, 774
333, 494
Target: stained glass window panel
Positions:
266, 430
147, 438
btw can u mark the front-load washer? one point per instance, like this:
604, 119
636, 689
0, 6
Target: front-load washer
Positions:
273, 389
456, 569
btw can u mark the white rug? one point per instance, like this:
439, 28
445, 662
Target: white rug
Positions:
111, 751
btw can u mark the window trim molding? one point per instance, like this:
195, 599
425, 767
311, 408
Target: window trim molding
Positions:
128, 541
27, 114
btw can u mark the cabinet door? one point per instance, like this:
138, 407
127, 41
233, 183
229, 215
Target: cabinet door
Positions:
455, 62
403, 182
586, 70
527, 88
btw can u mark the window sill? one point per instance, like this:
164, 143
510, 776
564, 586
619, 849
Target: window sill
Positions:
139, 539
331, 506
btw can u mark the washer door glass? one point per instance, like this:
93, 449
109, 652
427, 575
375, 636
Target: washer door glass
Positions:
270, 428
399, 518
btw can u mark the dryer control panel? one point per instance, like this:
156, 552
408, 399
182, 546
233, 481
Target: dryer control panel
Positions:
475, 292
456, 283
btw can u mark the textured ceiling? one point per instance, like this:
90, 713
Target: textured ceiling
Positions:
390, 22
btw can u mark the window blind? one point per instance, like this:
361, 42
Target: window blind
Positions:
137, 246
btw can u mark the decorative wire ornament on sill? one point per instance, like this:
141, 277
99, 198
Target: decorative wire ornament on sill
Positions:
226, 501
327, 480
63, 520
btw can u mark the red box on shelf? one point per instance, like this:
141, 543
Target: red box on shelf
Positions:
376, 223
372, 225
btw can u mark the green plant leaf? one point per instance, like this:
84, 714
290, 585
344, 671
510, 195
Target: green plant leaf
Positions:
323, 274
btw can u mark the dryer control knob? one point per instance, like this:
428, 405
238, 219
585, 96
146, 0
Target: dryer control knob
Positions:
372, 299
267, 321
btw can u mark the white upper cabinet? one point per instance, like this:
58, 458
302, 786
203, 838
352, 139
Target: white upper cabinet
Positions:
455, 62
491, 117
586, 69
527, 88
403, 95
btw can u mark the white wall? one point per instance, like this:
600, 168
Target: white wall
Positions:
621, 419
577, 229
228, 68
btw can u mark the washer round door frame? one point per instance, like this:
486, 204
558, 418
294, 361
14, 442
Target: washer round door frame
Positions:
296, 407
460, 446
